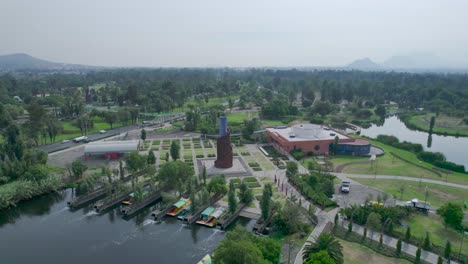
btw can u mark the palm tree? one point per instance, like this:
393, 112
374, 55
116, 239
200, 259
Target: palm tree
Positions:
326, 242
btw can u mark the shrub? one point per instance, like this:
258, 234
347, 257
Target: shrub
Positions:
199, 156
297, 154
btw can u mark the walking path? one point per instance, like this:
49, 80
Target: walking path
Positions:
325, 221
391, 242
347, 176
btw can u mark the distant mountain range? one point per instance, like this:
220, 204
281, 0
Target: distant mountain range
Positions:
22, 61
411, 62
419, 62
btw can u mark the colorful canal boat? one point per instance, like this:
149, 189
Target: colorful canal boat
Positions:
205, 260
184, 212
213, 218
179, 206
205, 215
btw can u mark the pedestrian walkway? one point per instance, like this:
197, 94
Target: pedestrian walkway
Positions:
324, 219
391, 242
347, 176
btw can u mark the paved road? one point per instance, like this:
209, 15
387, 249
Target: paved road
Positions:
347, 176
92, 137
112, 132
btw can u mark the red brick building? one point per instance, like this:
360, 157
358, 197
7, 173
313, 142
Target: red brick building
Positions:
314, 138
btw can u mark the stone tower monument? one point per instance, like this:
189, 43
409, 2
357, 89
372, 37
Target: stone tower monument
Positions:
224, 148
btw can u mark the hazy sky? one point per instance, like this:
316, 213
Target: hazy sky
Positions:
232, 33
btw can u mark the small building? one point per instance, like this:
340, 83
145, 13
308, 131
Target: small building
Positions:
316, 139
111, 149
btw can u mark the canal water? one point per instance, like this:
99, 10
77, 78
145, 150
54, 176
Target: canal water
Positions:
455, 149
44, 230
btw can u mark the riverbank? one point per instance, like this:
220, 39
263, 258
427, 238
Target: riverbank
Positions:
444, 125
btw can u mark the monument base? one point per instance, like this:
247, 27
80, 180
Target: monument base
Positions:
239, 168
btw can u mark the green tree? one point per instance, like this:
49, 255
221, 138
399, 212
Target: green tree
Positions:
427, 242
175, 149
111, 118
217, 185
327, 242
408, 234
417, 259
291, 168
121, 170
245, 193
151, 158
78, 168
398, 247
452, 214
431, 124
350, 227
287, 220
143, 134
136, 162
440, 260
239, 247
173, 172
37, 173
374, 222
232, 201
322, 108
448, 250
380, 111
265, 204
167, 156
321, 257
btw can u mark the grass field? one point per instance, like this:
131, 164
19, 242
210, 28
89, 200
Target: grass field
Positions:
237, 118
437, 194
211, 101
387, 165
342, 159
263, 161
70, 131
268, 122
443, 124
355, 253
420, 224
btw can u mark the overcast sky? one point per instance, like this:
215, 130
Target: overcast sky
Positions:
232, 33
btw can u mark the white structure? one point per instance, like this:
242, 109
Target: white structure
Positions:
111, 147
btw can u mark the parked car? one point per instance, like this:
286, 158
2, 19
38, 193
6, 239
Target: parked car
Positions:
80, 139
345, 187
419, 205
65, 141
102, 131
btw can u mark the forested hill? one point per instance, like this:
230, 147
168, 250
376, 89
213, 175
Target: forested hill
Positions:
22, 61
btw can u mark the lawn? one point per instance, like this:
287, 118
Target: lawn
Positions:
443, 124
211, 101
405, 170
342, 159
237, 118
355, 253
420, 224
437, 194
263, 161
268, 122
70, 131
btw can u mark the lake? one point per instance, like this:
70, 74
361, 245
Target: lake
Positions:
455, 149
44, 230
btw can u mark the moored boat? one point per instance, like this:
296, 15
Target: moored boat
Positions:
179, 206
213, 218
205, 215
205, 260
184, 212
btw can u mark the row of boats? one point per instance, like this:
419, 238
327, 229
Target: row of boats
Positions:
209, 217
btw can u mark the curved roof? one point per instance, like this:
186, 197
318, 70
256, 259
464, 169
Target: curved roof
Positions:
102, 147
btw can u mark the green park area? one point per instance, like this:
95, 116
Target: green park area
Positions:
212, 101
443, 124
388, 164
437, 195
420, 224
355, 253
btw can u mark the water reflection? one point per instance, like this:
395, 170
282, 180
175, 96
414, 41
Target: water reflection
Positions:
454, 148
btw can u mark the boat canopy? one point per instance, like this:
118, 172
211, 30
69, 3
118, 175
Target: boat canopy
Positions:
180, 203
208, 211
219, 212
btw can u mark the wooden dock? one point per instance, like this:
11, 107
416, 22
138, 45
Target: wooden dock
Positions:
225, 221
132, 209
159, 214
103, 205
191, 218
260, 225
82, 200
